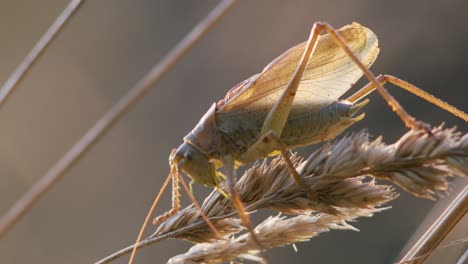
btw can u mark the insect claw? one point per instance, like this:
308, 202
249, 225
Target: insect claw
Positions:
425, 127
419, 125
162, 218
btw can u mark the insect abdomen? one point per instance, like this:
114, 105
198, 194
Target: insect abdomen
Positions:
305, 128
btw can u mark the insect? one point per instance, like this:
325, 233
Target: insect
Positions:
294, 101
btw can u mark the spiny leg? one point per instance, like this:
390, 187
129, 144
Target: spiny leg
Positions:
407, 119
278, 115
383, 79
276, 119
175, 198
176, 204
175, 176
228, 165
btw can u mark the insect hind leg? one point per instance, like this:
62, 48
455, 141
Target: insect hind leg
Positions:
383, 79
407, 119
269, 143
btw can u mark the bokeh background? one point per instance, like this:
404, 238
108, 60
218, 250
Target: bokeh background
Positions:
99, 206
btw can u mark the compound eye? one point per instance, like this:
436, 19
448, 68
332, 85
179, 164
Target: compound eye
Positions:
188, 156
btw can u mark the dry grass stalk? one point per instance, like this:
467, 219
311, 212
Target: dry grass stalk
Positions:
275, 231
341, 176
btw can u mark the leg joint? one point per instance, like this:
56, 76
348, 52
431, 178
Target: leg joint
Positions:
383, 78
320, 27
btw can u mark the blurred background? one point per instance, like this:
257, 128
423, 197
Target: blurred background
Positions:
109, 45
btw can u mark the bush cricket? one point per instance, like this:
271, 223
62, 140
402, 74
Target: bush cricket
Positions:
294, 101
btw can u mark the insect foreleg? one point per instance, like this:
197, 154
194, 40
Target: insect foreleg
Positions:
228, 165
175, 200
175, 176
383, 79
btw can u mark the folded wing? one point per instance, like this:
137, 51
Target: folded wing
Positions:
329, 74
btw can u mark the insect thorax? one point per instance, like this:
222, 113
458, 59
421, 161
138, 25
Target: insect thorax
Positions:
204, 136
